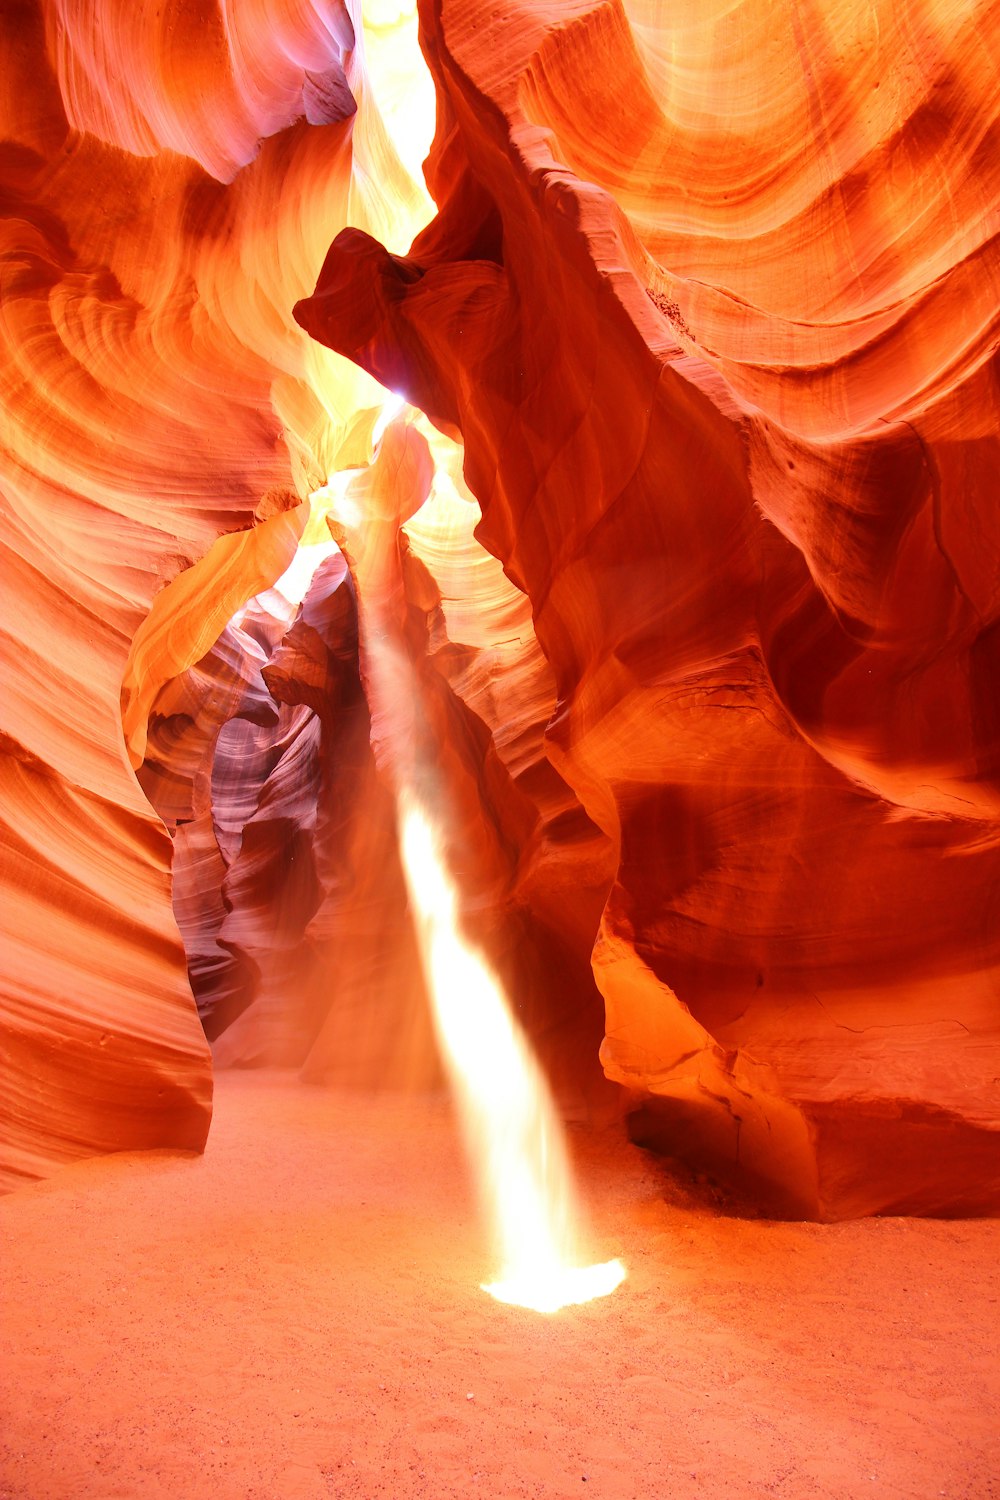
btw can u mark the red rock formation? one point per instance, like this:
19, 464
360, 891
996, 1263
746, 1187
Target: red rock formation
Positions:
312, 889
446, 636
156, 393
711, 298
713, 301
205, 780
473, 626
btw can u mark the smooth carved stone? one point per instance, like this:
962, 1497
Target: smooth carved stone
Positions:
714, 303
157, 395
711, 298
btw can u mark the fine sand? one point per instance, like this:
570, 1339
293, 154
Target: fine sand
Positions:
297, 1316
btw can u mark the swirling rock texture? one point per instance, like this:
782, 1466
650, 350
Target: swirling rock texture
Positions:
712, 296
459, 694
295, 892
214, 737
156, 394
286, 878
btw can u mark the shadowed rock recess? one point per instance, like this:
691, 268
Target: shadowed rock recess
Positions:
693, 539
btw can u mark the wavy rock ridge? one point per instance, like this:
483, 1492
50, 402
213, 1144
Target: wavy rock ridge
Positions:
712, 298
156, 394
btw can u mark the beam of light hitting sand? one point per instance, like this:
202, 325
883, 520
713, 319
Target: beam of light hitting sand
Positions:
508, 1113
514, 1139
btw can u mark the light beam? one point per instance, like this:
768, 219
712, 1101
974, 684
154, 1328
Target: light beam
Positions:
514, 1136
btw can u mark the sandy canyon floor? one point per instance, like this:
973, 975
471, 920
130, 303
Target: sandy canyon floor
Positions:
297, 1316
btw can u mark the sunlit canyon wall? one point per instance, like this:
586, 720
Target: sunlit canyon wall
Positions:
707, 632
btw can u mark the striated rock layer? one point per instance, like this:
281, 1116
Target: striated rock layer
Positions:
287, 884
156, 394
706, 637
713, 297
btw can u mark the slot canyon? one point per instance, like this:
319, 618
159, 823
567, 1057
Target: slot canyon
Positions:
500, 526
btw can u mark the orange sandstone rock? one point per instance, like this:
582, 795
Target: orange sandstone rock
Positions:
156, 394
706, 636
713, 301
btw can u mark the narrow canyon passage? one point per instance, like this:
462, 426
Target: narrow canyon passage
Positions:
699, 315
297, 1314
632, 370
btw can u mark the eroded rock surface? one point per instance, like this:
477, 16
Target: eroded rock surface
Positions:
707, 635
156, 394
713, 299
